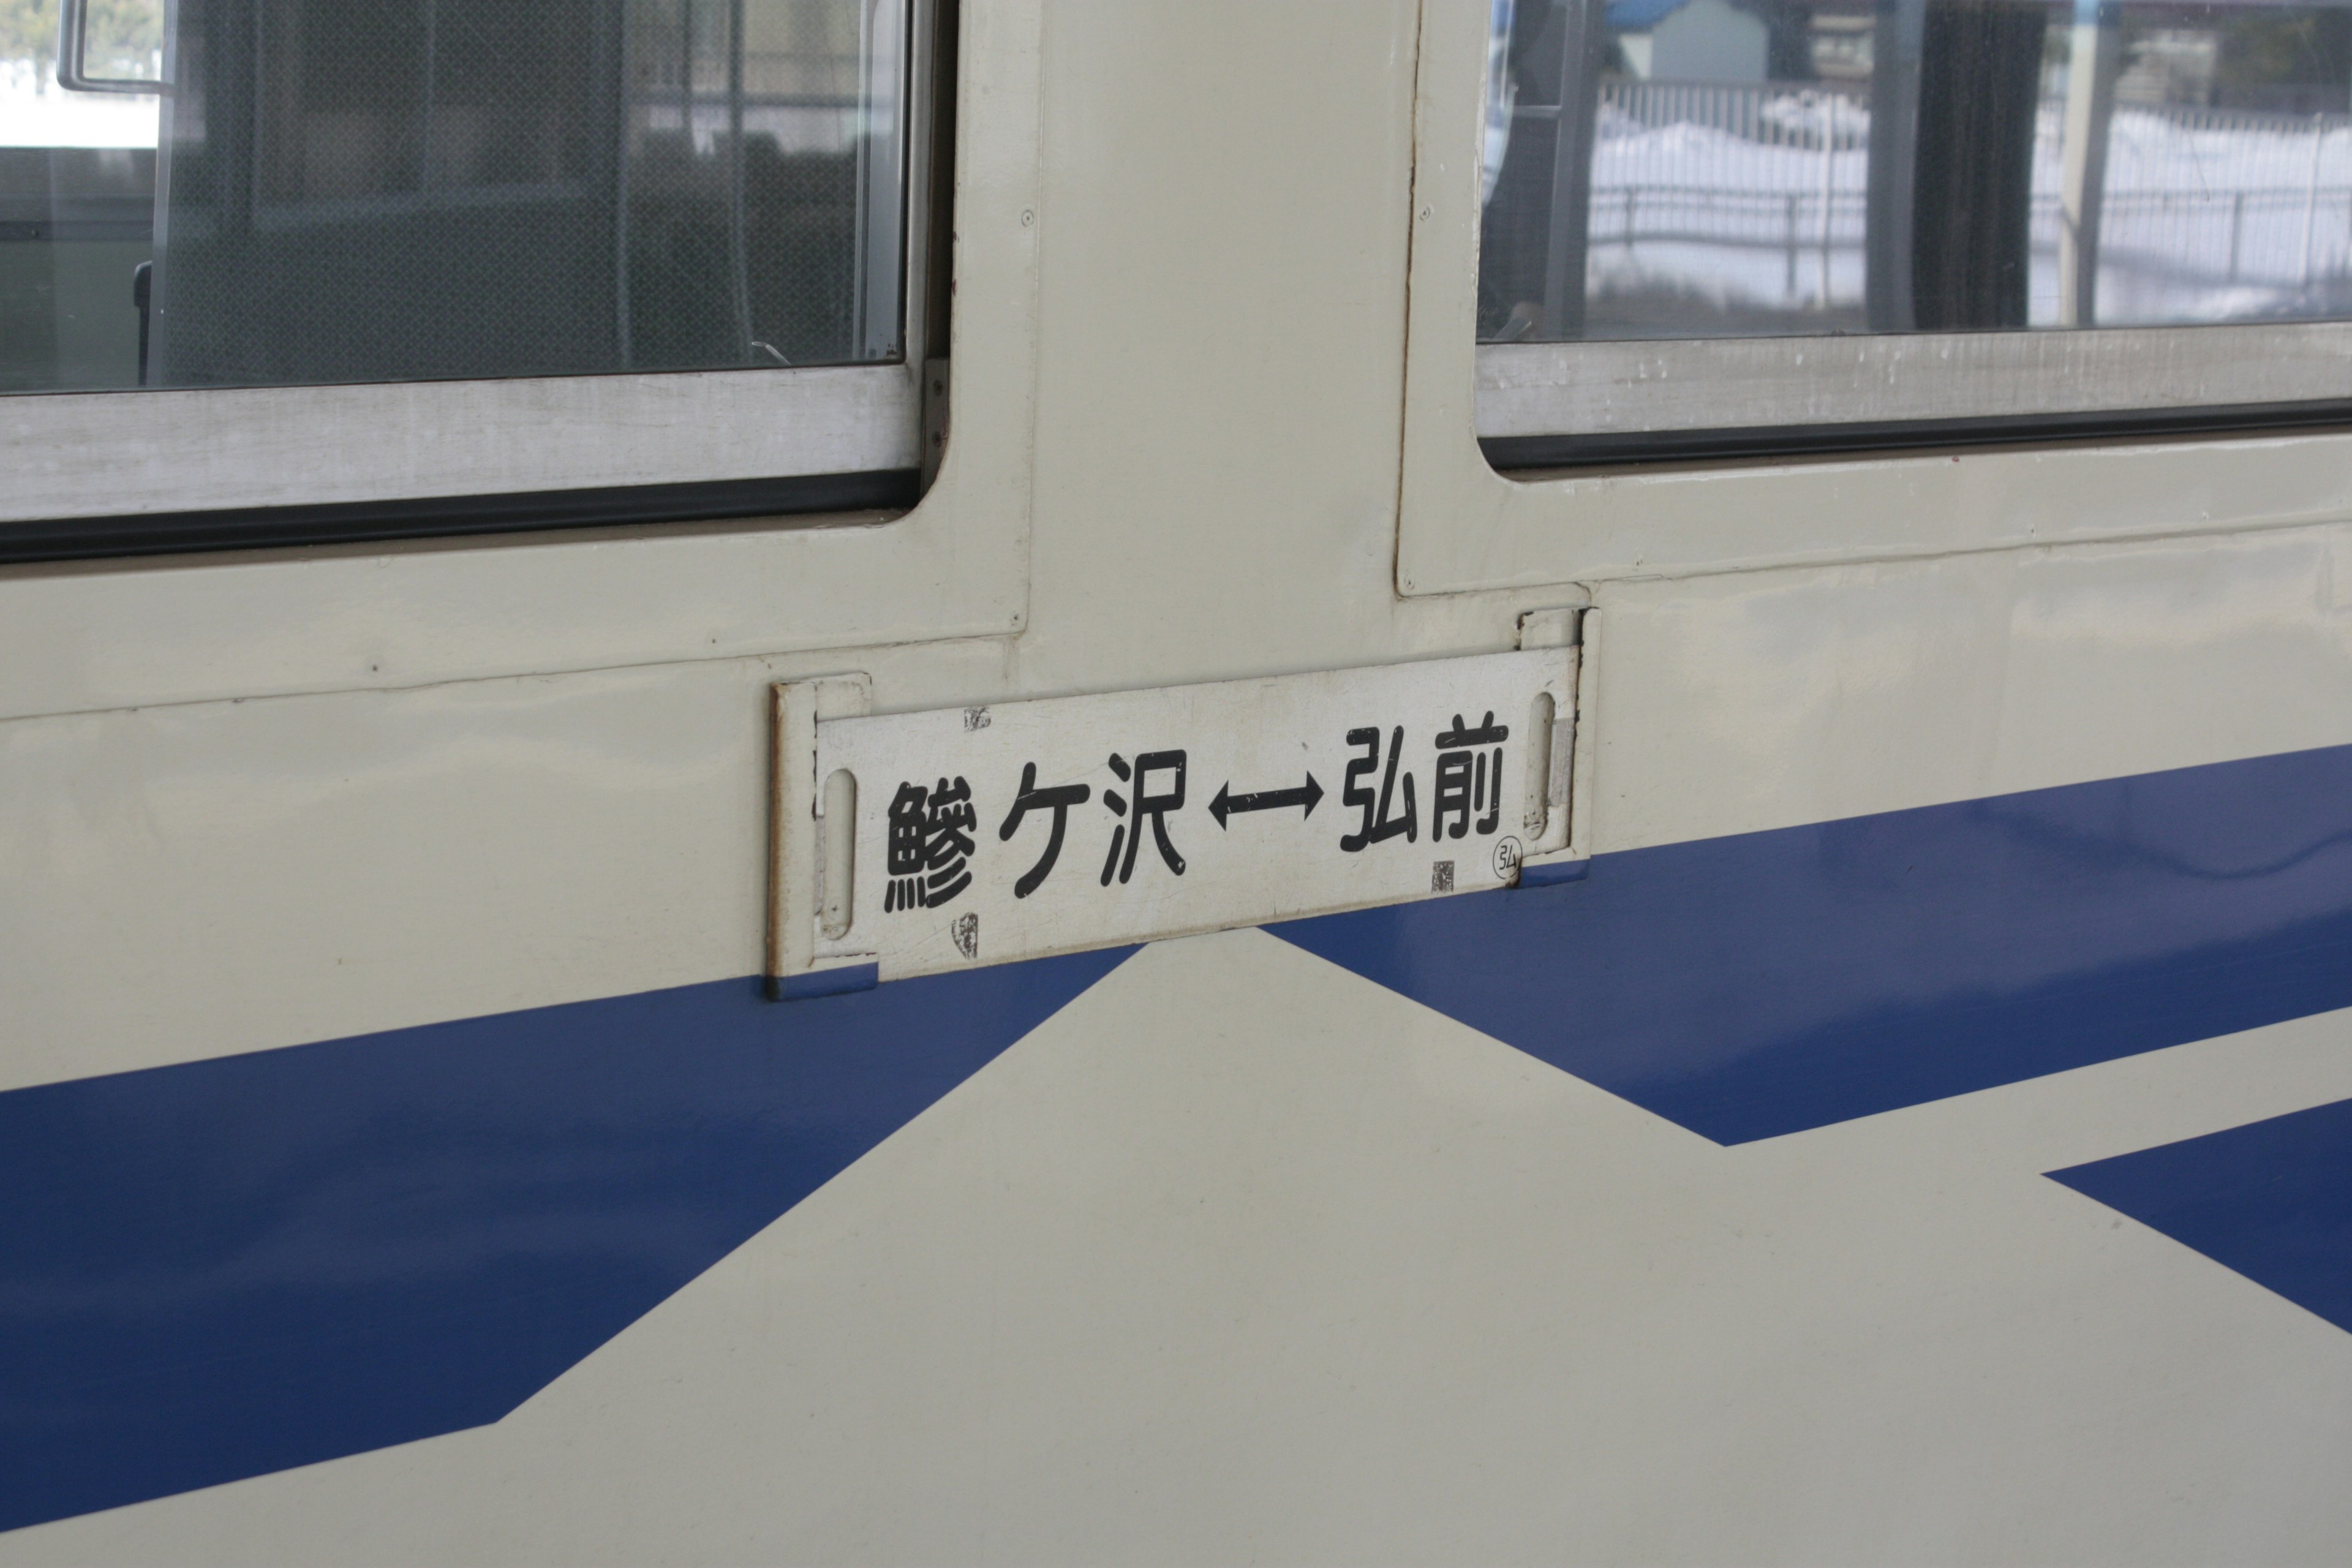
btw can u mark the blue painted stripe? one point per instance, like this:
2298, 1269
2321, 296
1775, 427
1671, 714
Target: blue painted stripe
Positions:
1761, 984
233, 1267
2272, 1200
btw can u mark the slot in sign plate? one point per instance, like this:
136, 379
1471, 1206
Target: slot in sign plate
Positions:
986, 835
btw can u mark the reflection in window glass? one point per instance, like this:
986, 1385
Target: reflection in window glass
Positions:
1736, 168
253, 192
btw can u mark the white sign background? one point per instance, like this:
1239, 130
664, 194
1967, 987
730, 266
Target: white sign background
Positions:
1255, 742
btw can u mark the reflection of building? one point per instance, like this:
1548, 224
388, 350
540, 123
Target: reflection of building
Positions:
2269, 60
1840, 42
2169, 65
1690, 40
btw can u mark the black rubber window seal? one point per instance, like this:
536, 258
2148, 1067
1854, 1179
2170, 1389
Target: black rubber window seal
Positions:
445, 517
1520, 454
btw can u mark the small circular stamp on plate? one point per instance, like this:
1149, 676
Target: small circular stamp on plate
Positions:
1508, 853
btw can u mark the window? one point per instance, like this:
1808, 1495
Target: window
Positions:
1725, 225
644, 242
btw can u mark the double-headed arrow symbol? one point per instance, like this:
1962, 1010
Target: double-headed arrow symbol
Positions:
1227, 802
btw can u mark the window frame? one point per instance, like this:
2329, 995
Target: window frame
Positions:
932, 590
1734, 397
139, 471
1611, 490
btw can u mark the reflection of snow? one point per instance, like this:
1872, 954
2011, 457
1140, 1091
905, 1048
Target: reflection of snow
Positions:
30, 117
1718, 195
1799, 116
1734, 220
793, 127
2211, 216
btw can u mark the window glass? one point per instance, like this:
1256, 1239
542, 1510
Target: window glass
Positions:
230, 192
1742, 168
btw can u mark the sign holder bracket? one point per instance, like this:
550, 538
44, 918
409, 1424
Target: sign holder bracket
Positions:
800, 850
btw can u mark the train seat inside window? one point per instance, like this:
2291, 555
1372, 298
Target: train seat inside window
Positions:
1786, 223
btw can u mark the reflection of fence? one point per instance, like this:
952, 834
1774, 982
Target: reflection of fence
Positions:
1772, 113
1757, 191
1806, 231
2192, 236
1743, 168
2278, 238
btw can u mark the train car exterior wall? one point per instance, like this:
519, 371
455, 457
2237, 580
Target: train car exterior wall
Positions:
1866, 1162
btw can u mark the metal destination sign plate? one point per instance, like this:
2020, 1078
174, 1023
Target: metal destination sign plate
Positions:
986, 835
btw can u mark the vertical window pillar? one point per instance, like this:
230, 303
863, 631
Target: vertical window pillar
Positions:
1896, 31
2093, 62
1584, 38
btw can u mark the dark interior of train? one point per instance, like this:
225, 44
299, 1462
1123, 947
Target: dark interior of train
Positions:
363, 190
